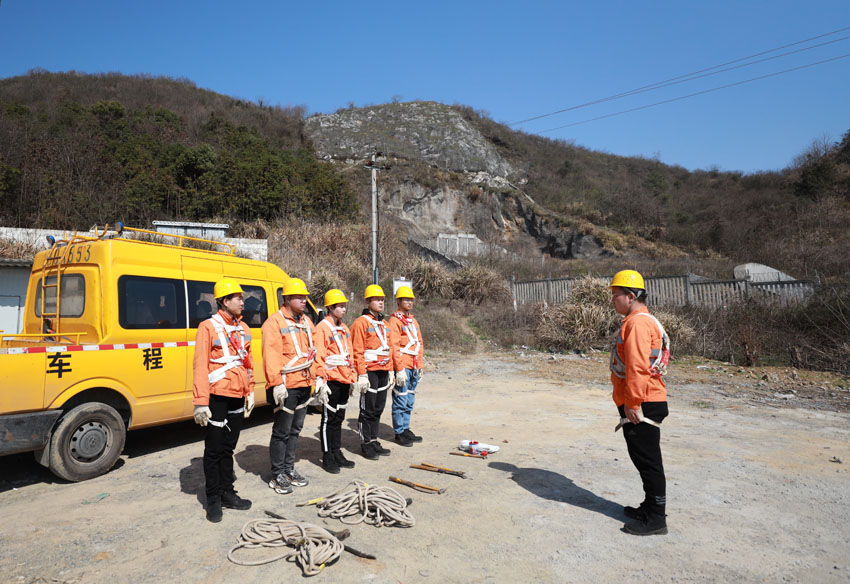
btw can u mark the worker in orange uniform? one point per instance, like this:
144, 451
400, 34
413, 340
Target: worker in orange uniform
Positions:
638, 360
289, 364
223, 393
406, 338
335, 369
374, 361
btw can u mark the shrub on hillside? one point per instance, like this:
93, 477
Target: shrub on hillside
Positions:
430, 279
476, 283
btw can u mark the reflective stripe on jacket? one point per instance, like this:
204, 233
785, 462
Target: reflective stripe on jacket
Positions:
237, 381
334, 342
637, 347
279, 351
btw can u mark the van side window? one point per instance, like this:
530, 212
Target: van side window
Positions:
256, 308
151, 303
201, 302
72, 291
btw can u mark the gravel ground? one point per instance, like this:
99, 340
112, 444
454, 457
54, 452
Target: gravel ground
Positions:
757, 473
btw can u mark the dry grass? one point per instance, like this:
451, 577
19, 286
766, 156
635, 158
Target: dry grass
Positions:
430, 280
586, 321
18, 250
475, 283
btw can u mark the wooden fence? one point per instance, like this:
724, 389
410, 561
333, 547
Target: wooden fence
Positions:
677, 291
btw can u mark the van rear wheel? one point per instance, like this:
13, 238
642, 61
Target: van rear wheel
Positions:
86, 442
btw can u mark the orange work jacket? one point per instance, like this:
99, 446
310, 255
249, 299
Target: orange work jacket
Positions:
639, 340
406, 336
279, 349
335, 341
237, 382
368, 335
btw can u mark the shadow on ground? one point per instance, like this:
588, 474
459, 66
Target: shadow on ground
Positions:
556, 487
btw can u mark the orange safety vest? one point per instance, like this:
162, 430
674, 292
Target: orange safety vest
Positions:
333, 351
633, 358
406, 335
370, 340
288, 350
222, 361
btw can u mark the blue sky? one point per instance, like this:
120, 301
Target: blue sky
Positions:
513, 60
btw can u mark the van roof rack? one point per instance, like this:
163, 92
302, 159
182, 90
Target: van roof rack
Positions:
104, 231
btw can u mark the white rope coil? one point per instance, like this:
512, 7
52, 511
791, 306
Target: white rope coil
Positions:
378, 506
314, 546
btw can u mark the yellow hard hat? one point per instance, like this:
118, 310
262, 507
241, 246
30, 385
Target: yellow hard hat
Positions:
226, 287
373, 290
294, 286
334, 297
627, 279
404, 292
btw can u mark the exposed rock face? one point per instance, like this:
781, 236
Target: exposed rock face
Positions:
427, 131
485, 202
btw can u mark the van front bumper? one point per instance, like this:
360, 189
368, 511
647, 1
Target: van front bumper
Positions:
25, 432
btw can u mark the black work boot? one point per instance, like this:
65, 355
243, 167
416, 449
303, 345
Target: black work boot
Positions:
231, 500
329, 463
214, 509
651, 524
342, 460
411, 436
403, 440
369, 451
638, 512
380, 449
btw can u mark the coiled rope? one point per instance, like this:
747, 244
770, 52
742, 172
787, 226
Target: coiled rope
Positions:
378, 506
314, 546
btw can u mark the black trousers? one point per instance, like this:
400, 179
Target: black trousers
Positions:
333, 415
372, 406
220, 443
286, 428
644, 444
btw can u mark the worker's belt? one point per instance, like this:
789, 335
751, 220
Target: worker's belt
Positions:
331, 408
624, 421
335, 360
288, 411
379, 389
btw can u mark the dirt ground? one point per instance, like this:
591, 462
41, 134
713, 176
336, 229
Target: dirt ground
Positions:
757, 464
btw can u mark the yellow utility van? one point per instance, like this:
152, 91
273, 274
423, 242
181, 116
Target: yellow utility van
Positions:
108, 340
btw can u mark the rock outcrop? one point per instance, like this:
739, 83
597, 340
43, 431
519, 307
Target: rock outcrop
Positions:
482, 197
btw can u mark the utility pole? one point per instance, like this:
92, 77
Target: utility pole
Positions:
374, 221
371, 165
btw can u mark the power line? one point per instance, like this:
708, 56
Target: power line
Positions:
695, 94
685, 77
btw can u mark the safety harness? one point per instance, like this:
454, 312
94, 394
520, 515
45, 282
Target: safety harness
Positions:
306, 359
341, 359
223, 424
292, 328
228, 337
409, 328
659, 358
381, 355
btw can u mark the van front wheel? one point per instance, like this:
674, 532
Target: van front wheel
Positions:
86, 442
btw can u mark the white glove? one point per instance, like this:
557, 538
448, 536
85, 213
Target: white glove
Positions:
322, 391
401, 378
362, 383
351, 388
279, 393
202, 415
419, 373
249, 404
392, 378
